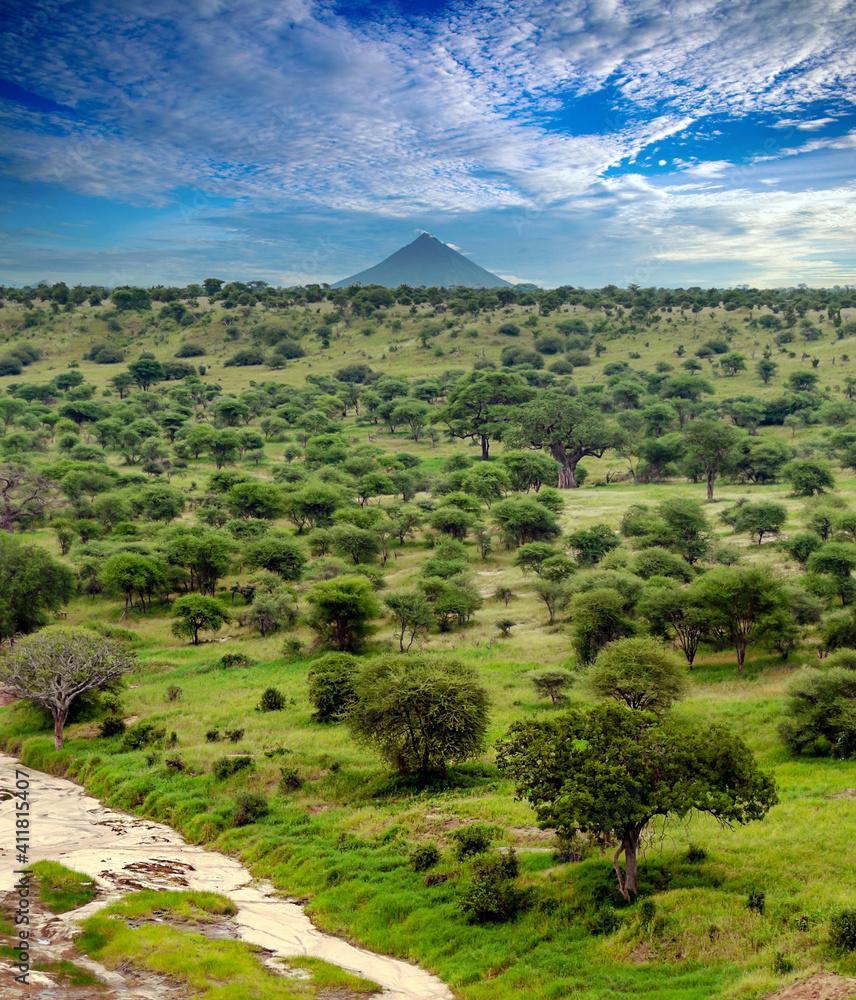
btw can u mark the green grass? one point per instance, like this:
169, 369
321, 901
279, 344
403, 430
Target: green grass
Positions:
213, 970
341, 841
60, 888
67, 973
331, 977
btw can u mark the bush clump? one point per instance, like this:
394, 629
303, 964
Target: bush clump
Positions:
290, 779
190, 350
245, 357
112, 726
472, 839
331, 686
141, 735
818, 717
493, 895
272, 700
235, 660
842, 930
424, 856
250, 807
225, 767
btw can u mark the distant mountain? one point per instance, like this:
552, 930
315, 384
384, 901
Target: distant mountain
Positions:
426, 262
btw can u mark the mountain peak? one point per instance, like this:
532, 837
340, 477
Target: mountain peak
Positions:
426, 262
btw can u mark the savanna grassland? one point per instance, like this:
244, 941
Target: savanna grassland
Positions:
338, 826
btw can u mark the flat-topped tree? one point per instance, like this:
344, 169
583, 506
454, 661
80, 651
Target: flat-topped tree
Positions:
478, 405
565, 426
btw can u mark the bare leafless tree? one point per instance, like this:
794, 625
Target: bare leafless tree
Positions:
24, 494
58, 664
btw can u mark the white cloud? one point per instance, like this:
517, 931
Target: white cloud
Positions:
247, 107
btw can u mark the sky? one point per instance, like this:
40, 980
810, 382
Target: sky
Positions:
562, 142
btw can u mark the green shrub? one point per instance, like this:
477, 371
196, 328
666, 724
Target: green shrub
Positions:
292, 648
842, 930
235, 660
782, 965
272, 700
234, 735
290, 779
141, 735
818, 716
424, 856
250, 807
173, 692
472, 839
492, 894
212, 736
225, 767
331, 686
112, 726
647, 912
756, 900
695, 854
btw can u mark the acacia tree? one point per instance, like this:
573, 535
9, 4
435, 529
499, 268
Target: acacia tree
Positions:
411, 615
24, 494
672, 613
420, 713
744, 603
640, 673
59, 663
197, 613
611, 770
713, 445
563, 425
757, 519
128, 573
598, 617
478, 405
341, 612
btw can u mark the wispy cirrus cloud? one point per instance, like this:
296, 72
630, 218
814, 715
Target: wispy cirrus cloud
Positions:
217, 115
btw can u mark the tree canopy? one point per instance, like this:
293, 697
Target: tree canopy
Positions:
611, 770
419, 712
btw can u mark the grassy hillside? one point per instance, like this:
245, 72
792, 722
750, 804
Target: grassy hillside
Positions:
340, 831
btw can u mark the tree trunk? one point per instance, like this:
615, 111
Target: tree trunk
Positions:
59, 715
628, 883
710, 477
566, 477
485, 447
741, 658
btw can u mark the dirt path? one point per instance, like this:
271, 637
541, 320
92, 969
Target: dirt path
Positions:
123, 853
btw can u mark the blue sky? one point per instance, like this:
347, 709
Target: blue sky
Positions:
578, 142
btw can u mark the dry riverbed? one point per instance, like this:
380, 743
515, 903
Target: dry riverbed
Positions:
122, 854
